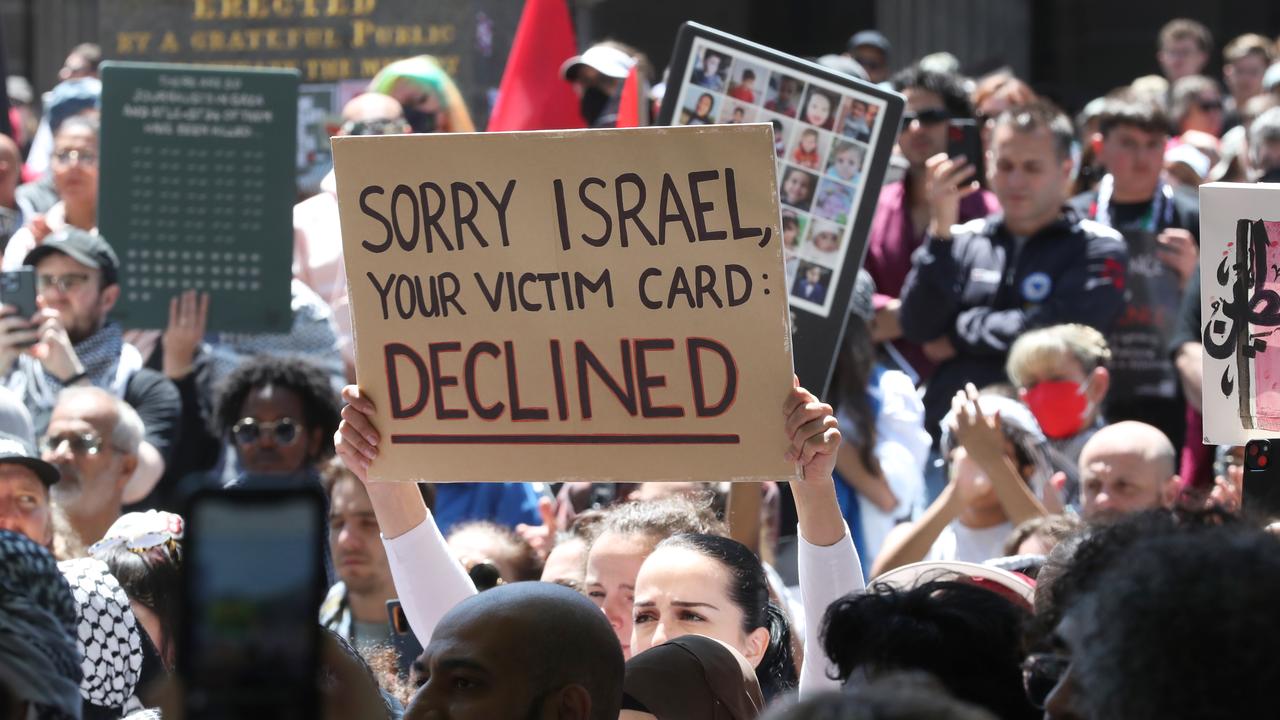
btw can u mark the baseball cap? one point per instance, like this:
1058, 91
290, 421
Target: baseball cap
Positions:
14, 449
871, 38
71, 97
86, 248
843, 64
19, 90
1271, 78
604, 59
1191, 157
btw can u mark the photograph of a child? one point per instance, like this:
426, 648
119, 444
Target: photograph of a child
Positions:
811, 283
747, 82
711, 71
824, 242
793, 224
784, 95
845, 163
855, 119
806, 153
834, 200
735, 112
699, 108
781, 133
797, 187
820, 107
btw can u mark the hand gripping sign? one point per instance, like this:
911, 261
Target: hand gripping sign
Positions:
600, 305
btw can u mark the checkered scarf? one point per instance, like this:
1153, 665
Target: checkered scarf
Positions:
39, 659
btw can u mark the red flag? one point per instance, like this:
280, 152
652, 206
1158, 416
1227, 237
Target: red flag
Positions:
631, 100
533, 95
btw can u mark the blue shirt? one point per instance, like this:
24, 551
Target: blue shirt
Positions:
507, 503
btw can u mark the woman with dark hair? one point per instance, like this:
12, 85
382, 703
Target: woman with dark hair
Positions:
143, 552
966, 635
697, 584
714, 586
828, 563
880, 467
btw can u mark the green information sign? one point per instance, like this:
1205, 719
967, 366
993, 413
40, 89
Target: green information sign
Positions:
197, 190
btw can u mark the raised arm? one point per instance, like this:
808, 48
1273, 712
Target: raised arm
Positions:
829, 565
428, 579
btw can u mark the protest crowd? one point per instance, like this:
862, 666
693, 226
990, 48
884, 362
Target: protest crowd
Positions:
1002, 508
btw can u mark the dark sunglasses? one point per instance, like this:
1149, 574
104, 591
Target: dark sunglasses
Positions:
249, 431
1041, 673
932, 116
374, 127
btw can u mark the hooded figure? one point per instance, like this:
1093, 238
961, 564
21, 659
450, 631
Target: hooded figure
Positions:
39, 660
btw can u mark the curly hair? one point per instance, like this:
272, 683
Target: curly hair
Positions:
1195, 606
299, 375
967, 636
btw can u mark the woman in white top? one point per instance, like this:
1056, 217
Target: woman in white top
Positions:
430, 582
75, 175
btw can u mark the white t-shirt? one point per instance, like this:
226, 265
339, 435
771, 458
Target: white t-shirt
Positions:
966, 544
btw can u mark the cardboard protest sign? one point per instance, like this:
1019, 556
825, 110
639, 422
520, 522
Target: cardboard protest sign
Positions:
1240, 311
599, 305
197, 190
833, 136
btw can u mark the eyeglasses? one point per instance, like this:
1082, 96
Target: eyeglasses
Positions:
66, 157
80, 443
64, 283
249, 431
1209, 105
932, 116
1041, 673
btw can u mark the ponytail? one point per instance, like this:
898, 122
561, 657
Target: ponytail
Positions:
749, 591
777, 669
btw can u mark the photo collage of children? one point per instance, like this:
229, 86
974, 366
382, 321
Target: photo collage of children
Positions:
821, 133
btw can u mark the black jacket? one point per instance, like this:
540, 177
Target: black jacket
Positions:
979, 291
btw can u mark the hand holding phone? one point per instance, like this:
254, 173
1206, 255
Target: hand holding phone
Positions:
252, 585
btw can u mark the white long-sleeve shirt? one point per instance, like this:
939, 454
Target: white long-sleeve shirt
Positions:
826, 575
429, 582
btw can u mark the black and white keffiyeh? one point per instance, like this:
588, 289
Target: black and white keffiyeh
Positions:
39, 660
107, 632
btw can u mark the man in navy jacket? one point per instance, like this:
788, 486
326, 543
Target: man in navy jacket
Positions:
973, 289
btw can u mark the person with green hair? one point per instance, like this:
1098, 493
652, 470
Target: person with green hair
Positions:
430, 98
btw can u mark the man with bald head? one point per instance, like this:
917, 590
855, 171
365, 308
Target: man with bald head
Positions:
317, 236
1127, 467
525, 651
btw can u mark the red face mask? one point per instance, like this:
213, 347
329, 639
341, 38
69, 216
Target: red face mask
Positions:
1059, 407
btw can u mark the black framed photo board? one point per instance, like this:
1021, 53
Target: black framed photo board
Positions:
833, 136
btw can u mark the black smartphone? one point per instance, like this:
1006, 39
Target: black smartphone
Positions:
252, 585
18, 288
1261, 496
402, 638
963, 139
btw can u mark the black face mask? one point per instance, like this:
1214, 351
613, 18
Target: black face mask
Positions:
420, 120
594, 100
